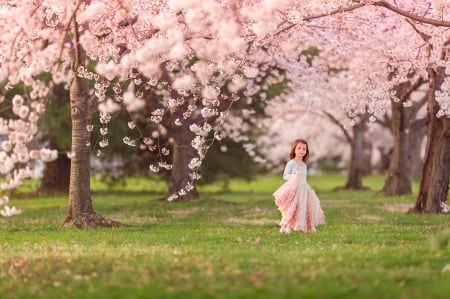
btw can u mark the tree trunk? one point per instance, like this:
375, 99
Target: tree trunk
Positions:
56, 178
416, 137
183, 153
398, 181
355, 173
385, 159
367, 163
440, 177
434, 183
405, 132
80, 212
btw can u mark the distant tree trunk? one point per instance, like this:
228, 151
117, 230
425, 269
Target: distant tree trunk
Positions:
183, 153
80, 212
56, 178
434, 184
385, 159
182, 150
358, 156
416, 136
367, 164
398, 181
355, 173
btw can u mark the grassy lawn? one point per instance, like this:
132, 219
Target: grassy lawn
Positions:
226, 245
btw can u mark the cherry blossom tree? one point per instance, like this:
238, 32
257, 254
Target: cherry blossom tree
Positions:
162, 46
336, 95
325, 139
408, 131
420, 56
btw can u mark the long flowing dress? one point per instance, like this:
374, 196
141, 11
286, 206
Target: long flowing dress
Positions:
296, 200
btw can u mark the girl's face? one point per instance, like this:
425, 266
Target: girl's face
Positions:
300, 150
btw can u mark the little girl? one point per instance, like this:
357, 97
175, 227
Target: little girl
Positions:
299, 206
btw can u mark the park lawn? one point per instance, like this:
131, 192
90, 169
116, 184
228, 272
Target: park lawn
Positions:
226, 245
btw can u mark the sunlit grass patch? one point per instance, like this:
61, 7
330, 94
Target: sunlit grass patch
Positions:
397, 207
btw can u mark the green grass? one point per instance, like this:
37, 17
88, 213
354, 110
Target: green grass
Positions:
225, 245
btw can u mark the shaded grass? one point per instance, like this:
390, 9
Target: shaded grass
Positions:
210, 248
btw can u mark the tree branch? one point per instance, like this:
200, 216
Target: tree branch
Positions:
411, 88
338, 123
384, 4
66, 33
411, 16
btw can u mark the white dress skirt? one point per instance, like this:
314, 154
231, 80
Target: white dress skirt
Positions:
299, 205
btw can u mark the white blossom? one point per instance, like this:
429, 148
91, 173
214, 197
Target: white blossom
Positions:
195, 163
154, 168
109, 106
8, 212
48, 155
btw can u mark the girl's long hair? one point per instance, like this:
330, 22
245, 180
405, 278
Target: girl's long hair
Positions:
294, 145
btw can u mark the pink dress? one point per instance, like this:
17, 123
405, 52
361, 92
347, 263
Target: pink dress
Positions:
298, 203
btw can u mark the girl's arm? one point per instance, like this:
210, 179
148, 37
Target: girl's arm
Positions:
288, 171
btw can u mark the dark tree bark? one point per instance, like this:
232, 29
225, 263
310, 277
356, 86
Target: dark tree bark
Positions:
399, 179
183, 153
56, 177
356, 167
385, 159
367, 163
80, 211
434, 184
417, 135
440, 177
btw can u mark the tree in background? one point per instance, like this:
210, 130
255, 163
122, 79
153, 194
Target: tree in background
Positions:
422, 55
56, 122
408, 131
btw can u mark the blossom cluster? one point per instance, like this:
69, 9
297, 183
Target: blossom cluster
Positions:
7, 211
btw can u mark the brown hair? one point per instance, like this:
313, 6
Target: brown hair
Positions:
294, 145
